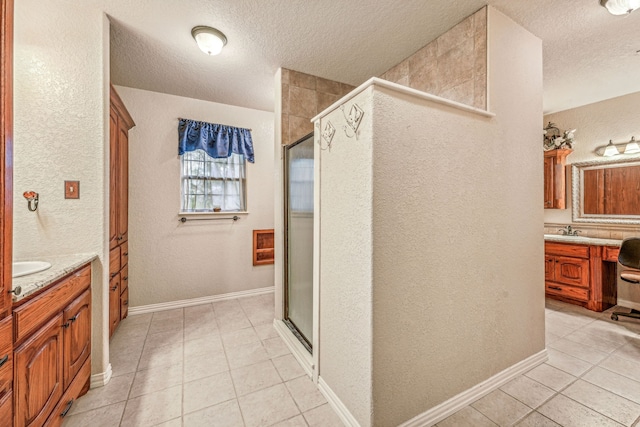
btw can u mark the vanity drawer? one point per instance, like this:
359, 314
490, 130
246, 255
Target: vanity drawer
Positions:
114, 261
124, 304
580, 294
6, 374
124, 278
565, 249
124, 254
6, 338
34, 313
610, 253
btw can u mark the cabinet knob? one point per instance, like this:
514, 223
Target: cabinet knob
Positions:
555, 288
114, 288
73, 319
66, 409
113, 275
16, 291
66, 325
126, 278
4, 360
126, 302
126, 254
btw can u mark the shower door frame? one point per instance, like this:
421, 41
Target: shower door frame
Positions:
309, 346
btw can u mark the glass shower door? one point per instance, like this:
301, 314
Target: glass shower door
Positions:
299, 239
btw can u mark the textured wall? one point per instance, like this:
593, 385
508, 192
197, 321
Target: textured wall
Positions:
421, 287
615, 119
453, 66
170, 261
61, 133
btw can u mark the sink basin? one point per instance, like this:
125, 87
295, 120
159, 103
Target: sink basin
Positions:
23, 268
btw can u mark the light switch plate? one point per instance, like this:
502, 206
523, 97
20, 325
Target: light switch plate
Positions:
72, 189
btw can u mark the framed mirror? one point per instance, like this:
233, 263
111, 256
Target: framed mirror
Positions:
606, 191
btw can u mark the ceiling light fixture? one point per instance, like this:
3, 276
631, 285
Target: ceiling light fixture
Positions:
632, 146
610, 150
209, 40
620, 7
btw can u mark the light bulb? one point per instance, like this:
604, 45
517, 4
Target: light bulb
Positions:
209, 40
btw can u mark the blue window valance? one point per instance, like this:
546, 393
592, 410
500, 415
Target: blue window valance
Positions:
216, 140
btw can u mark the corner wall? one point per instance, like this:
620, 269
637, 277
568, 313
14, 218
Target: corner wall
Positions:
170, 261
61, 92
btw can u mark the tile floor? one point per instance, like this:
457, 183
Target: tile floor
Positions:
223, 364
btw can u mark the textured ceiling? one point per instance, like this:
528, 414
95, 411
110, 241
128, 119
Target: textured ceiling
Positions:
589, 55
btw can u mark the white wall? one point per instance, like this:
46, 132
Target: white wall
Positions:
61, 133
171, 261
431, 254
614, 119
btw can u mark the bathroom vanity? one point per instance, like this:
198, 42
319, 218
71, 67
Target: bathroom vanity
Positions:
581, 270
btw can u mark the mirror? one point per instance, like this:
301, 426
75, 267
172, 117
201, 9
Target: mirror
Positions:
607, 191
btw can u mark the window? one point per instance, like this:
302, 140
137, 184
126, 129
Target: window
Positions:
212, 185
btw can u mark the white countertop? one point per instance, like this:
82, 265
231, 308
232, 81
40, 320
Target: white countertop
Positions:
581, 240
61, 265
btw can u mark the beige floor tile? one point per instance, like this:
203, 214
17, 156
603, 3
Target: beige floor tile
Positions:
579, 350
266, 331
630, 350
528, 391
569, 413
246, 355
163, 339
208, 391
276, 347
255, 377
551, 337
323, 416
156, 379
558, 329
115, 391
203, 346
176, 422
177, 313
552, 377
234, 323
153, 408
166, 325
197, 311
200, 330
124, 363
567, 363
622, 366
613, 406
501, 408
609, 331
534, 419
261, 316
615, 383
305, 393
569, 319
297, 421
467, 417
258, 408
135, 319
196, 367
239, 337
225, 414
105, 416
161, 356
288, 367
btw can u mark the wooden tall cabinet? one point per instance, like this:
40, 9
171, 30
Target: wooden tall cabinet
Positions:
554, 178
120, 123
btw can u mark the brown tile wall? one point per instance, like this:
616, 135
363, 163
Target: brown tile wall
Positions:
303, 97
453, 66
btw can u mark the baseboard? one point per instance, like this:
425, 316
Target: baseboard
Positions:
304, 358
453, 405
334, 401
628, 304
151, 308
101, 379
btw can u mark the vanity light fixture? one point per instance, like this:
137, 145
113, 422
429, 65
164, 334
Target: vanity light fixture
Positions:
620, 7
632, 146
209, 40
610, 149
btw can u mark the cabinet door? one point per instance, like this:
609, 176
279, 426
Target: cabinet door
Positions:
549, 267
114, 303
77, 335
6, 410
123, 182
113, 179
572, 271
549, 168
124, 304
38, 384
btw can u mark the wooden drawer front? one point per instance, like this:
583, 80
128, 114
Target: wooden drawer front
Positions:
6, 375
124, 278
124, 254
31, 315
565, 249
124, 304
78, 387
549, 267
114, 261
6, 338
6, 411
114, 303
572, 292
572, 271
610, 253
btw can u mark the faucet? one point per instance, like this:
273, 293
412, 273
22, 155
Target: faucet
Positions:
568, 231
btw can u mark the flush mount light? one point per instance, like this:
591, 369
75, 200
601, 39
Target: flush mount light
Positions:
620, 7
610, 150
632, 146
209, 40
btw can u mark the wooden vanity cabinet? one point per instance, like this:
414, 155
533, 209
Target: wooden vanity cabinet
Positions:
52, 348
120, 123
554, 178
6, 372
